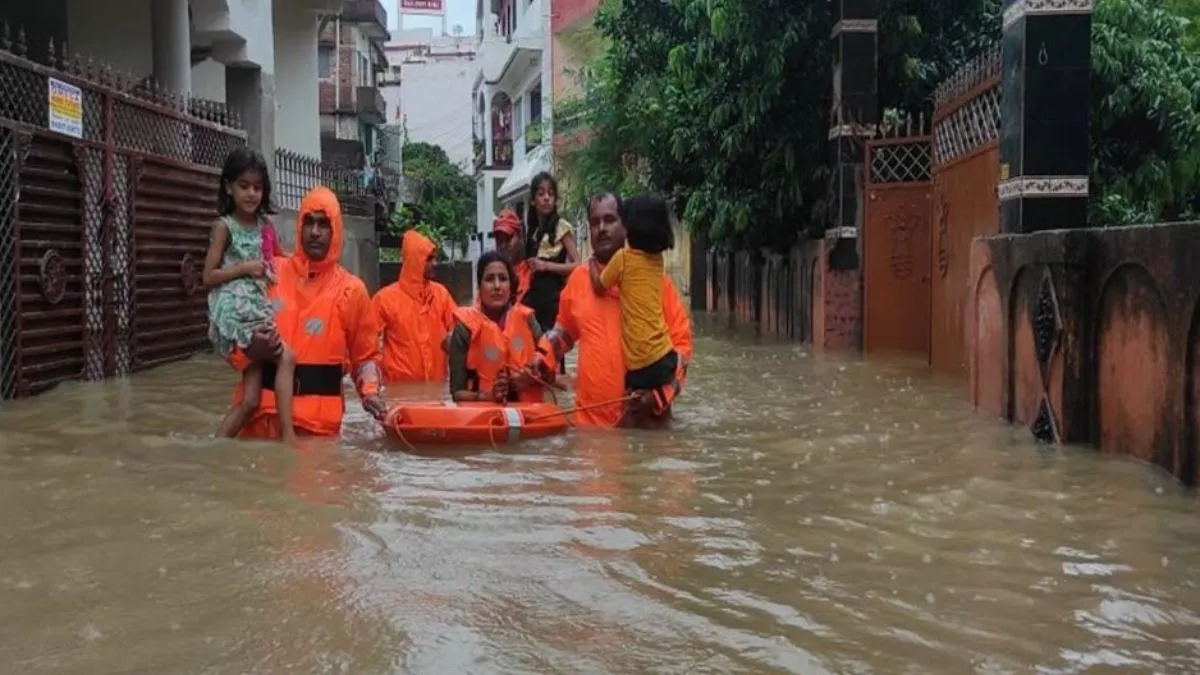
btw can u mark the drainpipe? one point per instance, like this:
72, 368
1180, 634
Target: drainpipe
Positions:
337, 74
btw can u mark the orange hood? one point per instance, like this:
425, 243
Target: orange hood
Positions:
323, 200
415, 249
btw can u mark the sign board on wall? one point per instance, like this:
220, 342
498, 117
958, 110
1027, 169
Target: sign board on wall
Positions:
431, 7
66, 108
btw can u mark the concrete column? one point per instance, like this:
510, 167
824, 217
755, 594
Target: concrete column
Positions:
172, 44
251, 93
1045, 111
856, 112
487, 126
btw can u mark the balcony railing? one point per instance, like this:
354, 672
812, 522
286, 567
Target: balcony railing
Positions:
370, 105
502, 153
358, 190
370, 16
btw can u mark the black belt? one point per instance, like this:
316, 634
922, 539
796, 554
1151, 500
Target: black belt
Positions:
311, 379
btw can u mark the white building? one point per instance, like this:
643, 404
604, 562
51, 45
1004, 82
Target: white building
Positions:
428, 90
512, 104
258, 56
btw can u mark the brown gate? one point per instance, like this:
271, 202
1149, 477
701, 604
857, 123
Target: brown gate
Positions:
966, 171
105, 201
896, 248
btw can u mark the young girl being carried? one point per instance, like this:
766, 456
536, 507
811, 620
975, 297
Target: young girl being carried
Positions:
237, 270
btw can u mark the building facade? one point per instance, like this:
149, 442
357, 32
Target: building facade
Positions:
512, 102
428, 90
350, 61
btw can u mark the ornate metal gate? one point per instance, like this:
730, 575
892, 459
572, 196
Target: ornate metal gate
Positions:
896, 248
73, 136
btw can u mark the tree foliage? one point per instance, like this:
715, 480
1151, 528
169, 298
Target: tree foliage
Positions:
1145, 113
726, 104
447, 212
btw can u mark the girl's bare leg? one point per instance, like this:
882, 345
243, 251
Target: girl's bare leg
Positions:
239, 414
285, 380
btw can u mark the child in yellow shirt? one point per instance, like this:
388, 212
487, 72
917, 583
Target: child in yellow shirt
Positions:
637, 271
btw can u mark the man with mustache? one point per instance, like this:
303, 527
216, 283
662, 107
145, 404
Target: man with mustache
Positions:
592, 323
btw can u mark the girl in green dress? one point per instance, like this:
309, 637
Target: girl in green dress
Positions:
237, 270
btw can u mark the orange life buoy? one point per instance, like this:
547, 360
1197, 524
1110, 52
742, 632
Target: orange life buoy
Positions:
417, 424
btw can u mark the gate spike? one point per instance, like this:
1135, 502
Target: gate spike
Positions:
5, 37
52, 54
21, 41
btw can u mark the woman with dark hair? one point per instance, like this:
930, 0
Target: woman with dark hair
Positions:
494, 341
550, 250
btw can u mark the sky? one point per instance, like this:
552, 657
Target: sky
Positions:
460, 12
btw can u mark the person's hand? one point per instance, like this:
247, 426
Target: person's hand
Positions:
501, 387
538, 265
375, 406
641, 403
265, 344
524, 379
255, 269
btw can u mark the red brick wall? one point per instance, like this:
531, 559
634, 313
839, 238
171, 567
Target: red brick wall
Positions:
564, 13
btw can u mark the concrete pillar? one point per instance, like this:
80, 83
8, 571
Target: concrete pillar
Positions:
171, 41
1045, 108
856, 113
251, 93
487, 126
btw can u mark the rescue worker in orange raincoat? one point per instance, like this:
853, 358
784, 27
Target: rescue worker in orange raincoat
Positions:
324, 314
510, 242
415, 314
592, 323
495, 341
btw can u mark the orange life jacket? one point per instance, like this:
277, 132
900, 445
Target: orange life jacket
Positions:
494, 348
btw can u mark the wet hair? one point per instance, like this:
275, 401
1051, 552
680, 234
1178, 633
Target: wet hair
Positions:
536, 229
598, 197
647, 219
238, 162
494, 256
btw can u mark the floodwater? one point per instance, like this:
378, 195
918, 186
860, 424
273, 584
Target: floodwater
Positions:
806, 515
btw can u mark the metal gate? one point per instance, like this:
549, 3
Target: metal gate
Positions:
896, 244
76, 294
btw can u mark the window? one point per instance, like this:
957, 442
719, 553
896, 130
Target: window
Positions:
364, 71
325, 62
535, 104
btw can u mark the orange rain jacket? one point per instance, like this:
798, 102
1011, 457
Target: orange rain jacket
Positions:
492, 348
324, 314
415, 315
593, 324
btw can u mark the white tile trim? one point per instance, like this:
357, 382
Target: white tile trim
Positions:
835, 233
863, 130
1023, 8
1043, 186
855, 26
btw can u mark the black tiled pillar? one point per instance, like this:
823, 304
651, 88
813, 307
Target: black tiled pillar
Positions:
1044, 141
855, 114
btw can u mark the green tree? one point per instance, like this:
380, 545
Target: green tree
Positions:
725, 104
447, 209
1145, 112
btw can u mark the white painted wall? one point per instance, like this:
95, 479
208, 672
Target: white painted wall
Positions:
116, 32
435, 98
297, 108
253, 21
208, 80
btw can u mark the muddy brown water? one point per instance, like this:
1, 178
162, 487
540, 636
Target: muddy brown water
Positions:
806, 515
